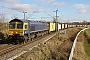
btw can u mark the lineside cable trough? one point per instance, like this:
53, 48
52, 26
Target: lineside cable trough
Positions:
74, 44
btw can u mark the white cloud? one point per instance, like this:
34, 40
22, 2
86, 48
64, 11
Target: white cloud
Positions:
14, 5
5, 12
59, 3
10, 1
5, 6
82, 8
43, 10
54, 2
23, 7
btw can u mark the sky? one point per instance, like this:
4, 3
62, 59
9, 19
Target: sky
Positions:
68, 10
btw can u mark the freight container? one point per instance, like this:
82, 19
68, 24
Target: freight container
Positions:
51, 26
65, 26
62, 26
59, 26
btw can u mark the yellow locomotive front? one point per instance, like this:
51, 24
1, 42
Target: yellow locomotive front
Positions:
15, 28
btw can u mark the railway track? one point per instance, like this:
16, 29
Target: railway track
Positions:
34, 42
4, 46
6, 50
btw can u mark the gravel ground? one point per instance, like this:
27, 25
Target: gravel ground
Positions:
24, 48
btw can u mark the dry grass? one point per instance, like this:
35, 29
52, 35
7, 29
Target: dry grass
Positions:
57, 48
79, 52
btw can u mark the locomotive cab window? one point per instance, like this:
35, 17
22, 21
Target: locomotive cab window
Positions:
25, 26
20, 26
12, 26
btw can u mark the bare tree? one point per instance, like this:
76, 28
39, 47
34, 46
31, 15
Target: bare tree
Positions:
3, 24
2, 17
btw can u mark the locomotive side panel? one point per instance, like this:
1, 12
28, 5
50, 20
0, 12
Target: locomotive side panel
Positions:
37, 26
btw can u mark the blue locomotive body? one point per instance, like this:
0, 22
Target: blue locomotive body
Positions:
34, 26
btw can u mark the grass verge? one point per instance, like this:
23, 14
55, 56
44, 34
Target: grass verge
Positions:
86, 42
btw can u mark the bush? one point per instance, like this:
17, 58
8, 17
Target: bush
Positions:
1, 35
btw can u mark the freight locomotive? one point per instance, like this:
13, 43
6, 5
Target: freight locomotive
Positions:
21, 30
24, 30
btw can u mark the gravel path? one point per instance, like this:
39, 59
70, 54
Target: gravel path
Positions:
13, 54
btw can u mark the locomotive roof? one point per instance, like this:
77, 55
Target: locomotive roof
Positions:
22, 20
19, 20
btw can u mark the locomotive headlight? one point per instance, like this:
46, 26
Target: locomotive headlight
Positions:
16, 32
12, 32
25, 32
